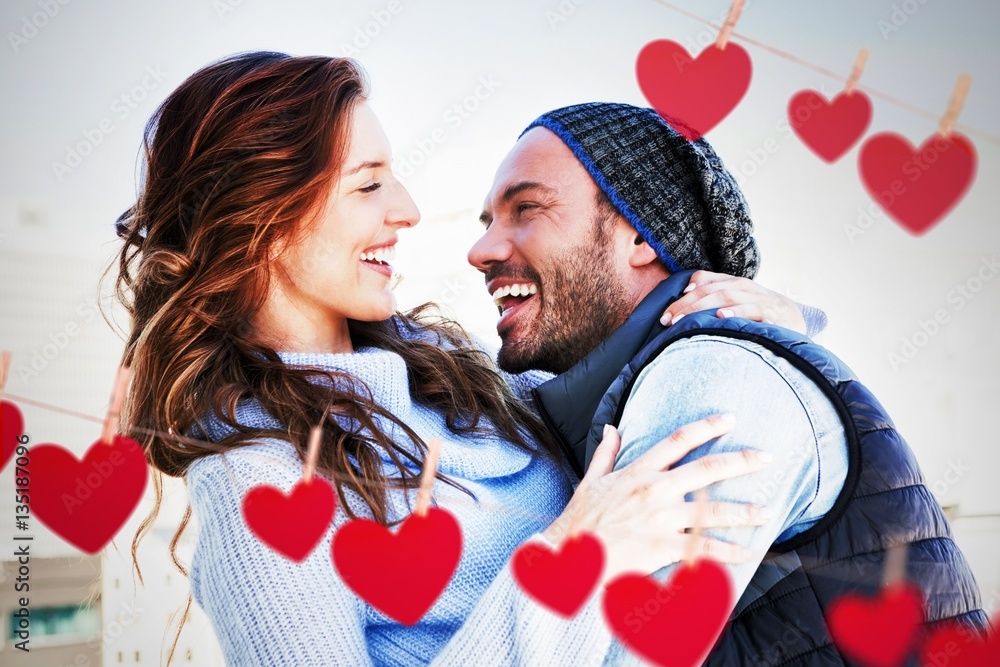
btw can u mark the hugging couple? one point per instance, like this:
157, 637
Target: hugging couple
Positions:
620, 256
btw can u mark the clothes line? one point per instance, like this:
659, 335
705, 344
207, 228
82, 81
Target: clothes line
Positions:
456, 499
874, 92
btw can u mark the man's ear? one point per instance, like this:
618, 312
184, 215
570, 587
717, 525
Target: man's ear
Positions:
641, 253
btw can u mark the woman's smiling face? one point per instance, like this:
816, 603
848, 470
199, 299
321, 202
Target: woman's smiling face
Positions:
339, 266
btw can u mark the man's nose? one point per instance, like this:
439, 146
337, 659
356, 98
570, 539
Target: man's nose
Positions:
491, 248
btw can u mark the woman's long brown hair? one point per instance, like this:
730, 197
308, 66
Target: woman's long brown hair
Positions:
237, 159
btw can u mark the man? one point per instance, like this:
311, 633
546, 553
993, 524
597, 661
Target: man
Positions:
598, 215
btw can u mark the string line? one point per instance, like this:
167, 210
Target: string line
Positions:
874, 92
457, 498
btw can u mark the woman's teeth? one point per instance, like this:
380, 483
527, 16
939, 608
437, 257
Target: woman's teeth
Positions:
381, 255
523, 289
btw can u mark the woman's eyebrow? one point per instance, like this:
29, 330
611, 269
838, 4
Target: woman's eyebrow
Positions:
364, 165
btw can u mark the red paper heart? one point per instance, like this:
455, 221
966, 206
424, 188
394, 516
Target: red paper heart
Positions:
917, 187
878, 631
11, 428
829, 129
699, 92
86, 502
560, 580
676, 623
401, 574
290, 524
953, 645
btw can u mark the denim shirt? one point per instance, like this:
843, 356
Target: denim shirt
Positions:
777, 410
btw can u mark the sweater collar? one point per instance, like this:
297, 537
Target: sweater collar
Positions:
569, 401
384, 372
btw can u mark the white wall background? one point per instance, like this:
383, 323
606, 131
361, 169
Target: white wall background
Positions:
63, 84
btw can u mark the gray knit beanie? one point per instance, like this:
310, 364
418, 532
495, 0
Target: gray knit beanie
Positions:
676, 193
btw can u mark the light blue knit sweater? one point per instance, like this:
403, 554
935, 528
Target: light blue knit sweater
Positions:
269, 611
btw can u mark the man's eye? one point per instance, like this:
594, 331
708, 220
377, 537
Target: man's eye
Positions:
525, 206
371, 188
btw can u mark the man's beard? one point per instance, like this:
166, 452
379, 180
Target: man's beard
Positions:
582, 303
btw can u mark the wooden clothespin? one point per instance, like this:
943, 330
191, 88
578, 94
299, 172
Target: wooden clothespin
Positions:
112, 419
312, 452
5, 358
955, 105
574, 523
859, 66
727, 28
427, 477
895, 565
700, 507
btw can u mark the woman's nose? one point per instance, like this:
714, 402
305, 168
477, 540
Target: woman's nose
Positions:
404, 211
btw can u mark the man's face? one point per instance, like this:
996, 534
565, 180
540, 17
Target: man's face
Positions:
551, 255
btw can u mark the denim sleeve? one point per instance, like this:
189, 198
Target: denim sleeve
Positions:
777, 409
816, 319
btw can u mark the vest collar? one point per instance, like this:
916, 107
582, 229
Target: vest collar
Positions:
569, 401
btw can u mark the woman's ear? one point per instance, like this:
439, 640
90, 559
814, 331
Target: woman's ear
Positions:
641, 253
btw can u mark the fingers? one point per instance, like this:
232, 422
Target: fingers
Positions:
604, 457
678, 444
721, 515
743, 302
724, 552
702, 277
728, 292
721, 281
749, 311
714, 468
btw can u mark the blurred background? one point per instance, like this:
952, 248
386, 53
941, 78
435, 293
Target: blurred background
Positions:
454, 83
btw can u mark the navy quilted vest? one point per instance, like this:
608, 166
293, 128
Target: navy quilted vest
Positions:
780, 619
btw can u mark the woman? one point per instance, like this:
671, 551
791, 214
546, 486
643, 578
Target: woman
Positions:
255, 272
